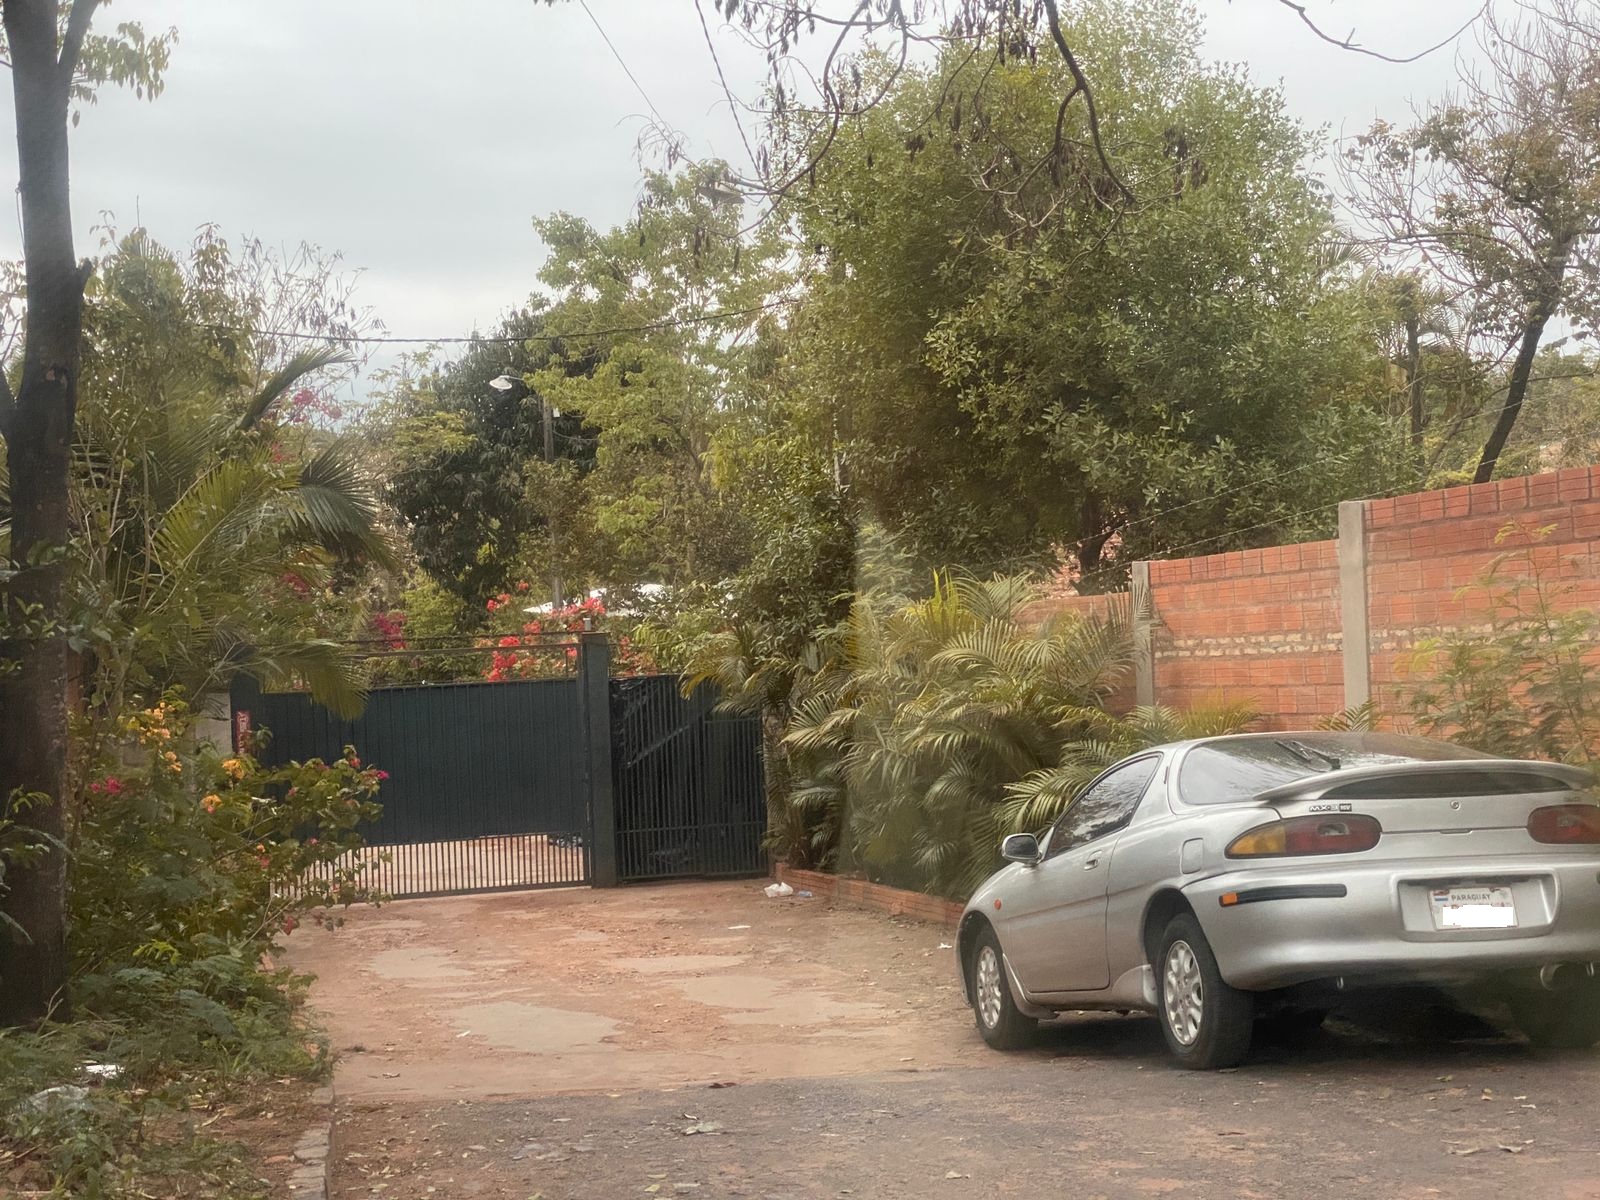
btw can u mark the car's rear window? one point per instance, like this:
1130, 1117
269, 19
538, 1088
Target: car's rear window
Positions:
1234, 770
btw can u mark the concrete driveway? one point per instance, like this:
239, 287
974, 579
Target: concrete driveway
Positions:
702, 1040
643, 987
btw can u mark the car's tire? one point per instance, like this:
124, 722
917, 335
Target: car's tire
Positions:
1565, 1019
1207, 1023
993, 1006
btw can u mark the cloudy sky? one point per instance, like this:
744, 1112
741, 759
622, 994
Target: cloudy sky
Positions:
417, 139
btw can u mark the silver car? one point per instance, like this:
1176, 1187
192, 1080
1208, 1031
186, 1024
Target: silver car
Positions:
1214, 881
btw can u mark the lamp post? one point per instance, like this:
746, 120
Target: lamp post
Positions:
504, 383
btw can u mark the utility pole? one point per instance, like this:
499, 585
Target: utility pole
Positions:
557, 600
504, 383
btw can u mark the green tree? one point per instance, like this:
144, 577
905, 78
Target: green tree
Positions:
665, 315
465, 447
212, 508
55, 59
1494, 197
1014, 359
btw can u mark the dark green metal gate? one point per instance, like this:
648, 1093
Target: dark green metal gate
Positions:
687, 781
487, 786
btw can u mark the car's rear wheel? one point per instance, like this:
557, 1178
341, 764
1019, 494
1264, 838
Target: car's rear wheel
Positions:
1001, 1025
1207, 1024
1567, 1018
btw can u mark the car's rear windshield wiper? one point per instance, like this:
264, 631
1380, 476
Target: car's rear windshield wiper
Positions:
1309, 755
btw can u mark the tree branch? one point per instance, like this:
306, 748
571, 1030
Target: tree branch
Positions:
72, 42
1349, 43
1081, 84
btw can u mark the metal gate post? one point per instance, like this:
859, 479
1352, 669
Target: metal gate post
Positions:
594, 695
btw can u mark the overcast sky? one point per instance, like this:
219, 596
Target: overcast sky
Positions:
418, 139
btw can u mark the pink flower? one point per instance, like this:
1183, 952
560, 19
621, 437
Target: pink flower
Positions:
381, 775
113, 786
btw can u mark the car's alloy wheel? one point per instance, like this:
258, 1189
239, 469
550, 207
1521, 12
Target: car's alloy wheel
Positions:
988, 981
1183, 993
1206, 1023
999, 1021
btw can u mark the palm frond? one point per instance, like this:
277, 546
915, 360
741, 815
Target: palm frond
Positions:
306, 362
339, 507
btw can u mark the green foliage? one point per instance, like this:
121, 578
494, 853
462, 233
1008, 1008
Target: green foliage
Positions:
905, 739
1524, 685
1492, 198
1012, 364
466, 465
215, 508
685, 296
188, 867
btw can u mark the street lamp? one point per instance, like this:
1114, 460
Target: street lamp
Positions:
504, 383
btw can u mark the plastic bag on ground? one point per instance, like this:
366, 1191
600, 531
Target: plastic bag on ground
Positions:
775, 890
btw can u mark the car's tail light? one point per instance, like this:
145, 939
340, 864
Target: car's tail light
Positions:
1307, 835
1565, 824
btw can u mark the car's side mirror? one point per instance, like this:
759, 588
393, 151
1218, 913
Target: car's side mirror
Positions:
1021, 848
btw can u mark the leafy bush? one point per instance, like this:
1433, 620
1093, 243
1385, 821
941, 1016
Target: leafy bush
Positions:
189, 865
904, 743
1523, 685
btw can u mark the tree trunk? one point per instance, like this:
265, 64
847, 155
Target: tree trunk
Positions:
37, 425
1539, 314
775, 763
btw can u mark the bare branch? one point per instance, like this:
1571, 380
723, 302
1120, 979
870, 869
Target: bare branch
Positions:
1349, 42
1081, 84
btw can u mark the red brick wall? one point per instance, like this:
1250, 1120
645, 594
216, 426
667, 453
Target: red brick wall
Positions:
1265, 625
1423, 549
1256, 625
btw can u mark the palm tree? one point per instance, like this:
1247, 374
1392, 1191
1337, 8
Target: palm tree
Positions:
936, 706
212, 527
209, 517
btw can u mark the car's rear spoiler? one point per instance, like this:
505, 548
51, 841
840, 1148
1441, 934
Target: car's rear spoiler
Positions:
1313, 787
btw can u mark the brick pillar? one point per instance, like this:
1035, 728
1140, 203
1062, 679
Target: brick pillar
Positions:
1355, 641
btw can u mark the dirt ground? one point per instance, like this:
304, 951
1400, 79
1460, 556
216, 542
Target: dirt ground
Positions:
592, 1045
640, 987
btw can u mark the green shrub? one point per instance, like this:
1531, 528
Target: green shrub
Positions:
188, 865
1523, 685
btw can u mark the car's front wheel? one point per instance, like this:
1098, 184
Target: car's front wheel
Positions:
1207, 1024
1567, 1018
1001, 1025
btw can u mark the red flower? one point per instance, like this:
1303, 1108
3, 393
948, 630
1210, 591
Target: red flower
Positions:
510, 640
112, 786
491, 605
522, 586
381, 775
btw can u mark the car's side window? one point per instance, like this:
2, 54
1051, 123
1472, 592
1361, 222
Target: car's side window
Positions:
1106, 806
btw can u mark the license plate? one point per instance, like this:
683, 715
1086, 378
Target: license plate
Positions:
1474, 908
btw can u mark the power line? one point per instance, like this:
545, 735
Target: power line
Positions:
725, 314
616, 54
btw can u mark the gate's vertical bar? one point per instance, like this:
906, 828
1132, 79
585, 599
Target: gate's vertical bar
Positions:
594, 695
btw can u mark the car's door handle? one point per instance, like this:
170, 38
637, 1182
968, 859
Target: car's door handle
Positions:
1092, 863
